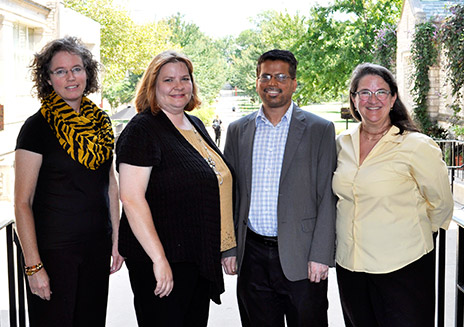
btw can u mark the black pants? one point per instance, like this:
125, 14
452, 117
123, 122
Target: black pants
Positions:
266, 297
405, 297
79, 278
187, 305
218, 137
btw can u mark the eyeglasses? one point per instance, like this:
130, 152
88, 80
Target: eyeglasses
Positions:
379, 94
76, 71
266, 78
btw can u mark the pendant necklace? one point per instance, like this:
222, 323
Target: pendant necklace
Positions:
209, 160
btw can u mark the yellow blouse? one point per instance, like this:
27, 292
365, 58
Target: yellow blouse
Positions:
225, 186
389, 206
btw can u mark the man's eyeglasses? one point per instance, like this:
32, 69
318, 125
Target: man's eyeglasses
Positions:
76, 71
379, 94
266, 78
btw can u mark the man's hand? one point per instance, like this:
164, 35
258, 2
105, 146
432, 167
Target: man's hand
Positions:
317, 271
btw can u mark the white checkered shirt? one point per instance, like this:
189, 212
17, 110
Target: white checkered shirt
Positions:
268, 154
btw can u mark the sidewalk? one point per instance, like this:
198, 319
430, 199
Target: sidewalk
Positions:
121, 311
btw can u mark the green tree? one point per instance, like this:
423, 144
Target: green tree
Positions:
272, 30
339, 37
126, 48
209, 62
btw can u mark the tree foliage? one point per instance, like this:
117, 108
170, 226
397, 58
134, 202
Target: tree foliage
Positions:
126, 48
209, 63
328, 43
338, 38
273, 30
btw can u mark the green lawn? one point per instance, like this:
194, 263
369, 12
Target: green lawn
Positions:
331, 111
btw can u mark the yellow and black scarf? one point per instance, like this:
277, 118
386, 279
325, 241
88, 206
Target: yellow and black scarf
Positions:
87, 137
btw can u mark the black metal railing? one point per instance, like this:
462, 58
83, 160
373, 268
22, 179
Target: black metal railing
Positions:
17, 311
459, 298
453, 154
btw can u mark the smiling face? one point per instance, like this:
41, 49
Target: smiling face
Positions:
275, 95
174, 87
373, 111
71, 86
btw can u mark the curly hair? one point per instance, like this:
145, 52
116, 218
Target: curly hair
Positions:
399, 115
146, 90
40, 65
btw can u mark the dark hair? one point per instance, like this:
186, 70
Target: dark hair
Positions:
146, 90
399, 115
282, 55
40, 66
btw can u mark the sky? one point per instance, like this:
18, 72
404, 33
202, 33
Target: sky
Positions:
215, 18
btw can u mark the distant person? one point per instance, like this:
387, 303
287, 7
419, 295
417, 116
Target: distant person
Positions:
66, 195
233, 109
176, 190
393, 196
217, 130
284, 159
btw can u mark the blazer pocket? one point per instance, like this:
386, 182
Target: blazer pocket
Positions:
307, 224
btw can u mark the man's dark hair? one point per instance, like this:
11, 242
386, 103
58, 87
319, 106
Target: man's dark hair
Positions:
276, 54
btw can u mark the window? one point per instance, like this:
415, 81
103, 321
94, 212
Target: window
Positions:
23, 49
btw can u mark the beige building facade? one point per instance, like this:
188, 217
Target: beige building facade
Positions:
25, 27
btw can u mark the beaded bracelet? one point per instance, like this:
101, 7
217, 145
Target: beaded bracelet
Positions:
33, 269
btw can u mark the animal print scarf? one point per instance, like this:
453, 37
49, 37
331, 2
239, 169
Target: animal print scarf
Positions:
87, 137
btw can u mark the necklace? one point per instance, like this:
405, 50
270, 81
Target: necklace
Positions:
375, 136
209, 160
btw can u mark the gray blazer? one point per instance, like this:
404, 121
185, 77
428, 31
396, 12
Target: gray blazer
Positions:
306, 207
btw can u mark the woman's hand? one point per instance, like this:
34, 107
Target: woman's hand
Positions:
117, 259
163, 276
230, 265
40, 284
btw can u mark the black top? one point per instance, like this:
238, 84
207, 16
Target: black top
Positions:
71, 203
182, 193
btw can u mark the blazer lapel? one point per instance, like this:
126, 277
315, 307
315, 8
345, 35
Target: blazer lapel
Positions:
246, 146
295, 133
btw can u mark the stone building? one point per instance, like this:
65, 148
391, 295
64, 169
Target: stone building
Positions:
25, 27
415, 12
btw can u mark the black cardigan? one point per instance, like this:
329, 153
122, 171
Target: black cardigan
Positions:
182, 193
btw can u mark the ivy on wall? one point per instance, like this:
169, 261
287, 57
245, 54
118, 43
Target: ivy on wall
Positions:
452, 34
424, 53
385, 45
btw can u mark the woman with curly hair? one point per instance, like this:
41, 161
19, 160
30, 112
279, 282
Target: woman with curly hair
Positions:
66, 194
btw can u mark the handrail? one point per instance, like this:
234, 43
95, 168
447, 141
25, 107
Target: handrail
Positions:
15, 281
5, 223
459, 298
